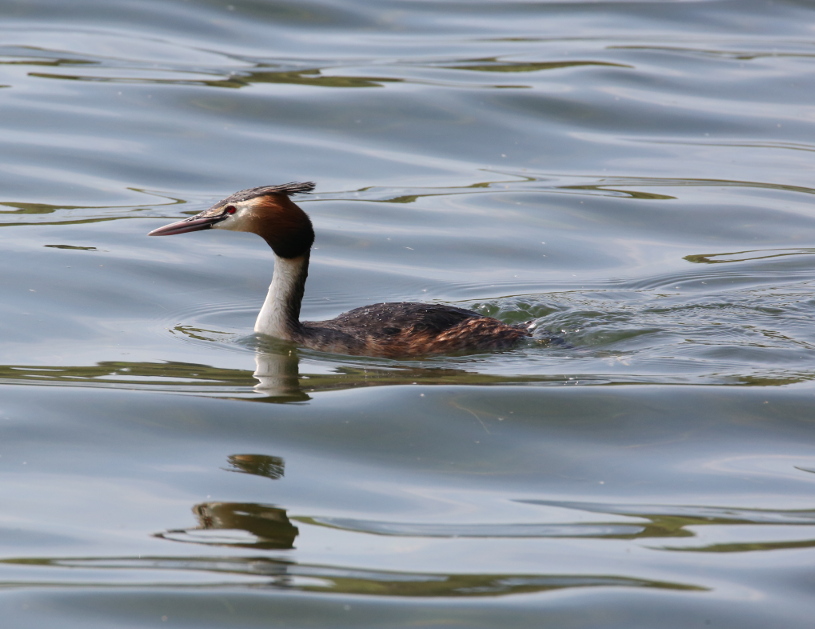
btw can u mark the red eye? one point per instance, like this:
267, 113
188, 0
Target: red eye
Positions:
230, 209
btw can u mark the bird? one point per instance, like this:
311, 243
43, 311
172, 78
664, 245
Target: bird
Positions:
389, 330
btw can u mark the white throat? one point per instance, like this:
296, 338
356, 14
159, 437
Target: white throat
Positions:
280, 314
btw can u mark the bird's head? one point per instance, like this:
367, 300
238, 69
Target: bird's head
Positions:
266, 211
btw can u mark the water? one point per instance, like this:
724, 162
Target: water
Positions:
634, 177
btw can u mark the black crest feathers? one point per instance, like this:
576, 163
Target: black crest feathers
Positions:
293, 187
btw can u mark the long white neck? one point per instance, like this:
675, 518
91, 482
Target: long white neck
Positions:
280, 314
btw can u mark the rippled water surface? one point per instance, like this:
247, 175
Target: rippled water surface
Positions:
635, 177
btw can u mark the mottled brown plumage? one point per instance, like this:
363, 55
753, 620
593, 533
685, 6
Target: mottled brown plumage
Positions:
406, 329
393, 330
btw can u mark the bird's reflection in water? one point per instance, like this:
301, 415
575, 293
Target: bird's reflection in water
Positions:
271, 467
238, 524
278, 376
277, 371
241, 524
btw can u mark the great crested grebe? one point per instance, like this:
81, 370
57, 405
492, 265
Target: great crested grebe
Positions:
392, 330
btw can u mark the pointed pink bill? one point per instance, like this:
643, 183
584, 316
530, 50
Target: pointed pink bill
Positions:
192, 224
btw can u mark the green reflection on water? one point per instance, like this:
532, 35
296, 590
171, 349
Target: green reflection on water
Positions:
311, 77
288, 384
493, 64
742, 256
72, 247
340, 580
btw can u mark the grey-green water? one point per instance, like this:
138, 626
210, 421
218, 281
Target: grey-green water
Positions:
635, 177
